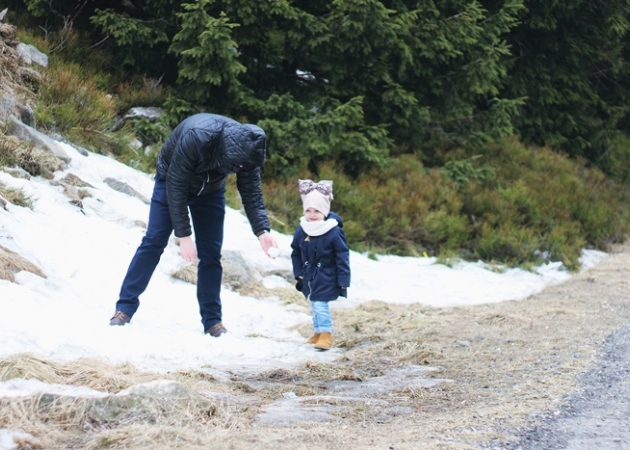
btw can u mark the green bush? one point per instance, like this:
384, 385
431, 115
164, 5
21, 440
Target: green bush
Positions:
70, 103
542, 201
150, 133
532, 205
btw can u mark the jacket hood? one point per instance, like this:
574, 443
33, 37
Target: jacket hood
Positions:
333, 215
243, 148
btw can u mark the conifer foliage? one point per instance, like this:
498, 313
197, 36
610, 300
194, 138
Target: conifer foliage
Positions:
348, 80
570, 60
429, 114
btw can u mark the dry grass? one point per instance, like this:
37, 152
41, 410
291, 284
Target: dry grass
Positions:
152, 419
37, 161
31, 158
506, 361
12, 263
105, 422
91, 373
15, 77
186, 273
15, 196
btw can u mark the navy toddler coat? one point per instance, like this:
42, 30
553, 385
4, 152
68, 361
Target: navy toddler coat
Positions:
323, 262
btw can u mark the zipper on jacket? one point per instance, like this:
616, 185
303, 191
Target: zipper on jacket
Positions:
204, 185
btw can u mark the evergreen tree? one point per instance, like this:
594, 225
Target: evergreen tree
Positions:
569, 63
362, 78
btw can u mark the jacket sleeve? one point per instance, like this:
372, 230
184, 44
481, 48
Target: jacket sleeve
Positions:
181, 170
296, 254
342, 254
249, 187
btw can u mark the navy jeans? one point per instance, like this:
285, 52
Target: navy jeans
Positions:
208, 214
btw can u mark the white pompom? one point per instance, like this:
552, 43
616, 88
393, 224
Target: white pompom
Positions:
274, 252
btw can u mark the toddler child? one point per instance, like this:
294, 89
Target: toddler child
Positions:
320, 258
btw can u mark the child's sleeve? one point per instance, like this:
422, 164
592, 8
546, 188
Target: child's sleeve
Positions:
342, 254
296, 255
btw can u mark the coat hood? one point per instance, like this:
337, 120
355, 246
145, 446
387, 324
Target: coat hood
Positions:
333, 215
243, 148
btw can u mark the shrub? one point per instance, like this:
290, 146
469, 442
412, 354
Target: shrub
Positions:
150, 133
533, 205
142, 91
71, 104
543, 201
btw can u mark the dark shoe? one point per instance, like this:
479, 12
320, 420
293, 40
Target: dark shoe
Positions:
120, 318
216, 330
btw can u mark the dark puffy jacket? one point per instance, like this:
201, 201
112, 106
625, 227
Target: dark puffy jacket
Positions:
323, 262
197, 158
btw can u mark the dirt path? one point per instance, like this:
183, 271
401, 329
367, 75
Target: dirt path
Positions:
547, 372
597, 414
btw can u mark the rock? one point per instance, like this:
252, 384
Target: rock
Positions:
73, 180
31, 55
125, 189
27, 116
151, 113
314, 408
8, 106
135, 144
236, 271
58, 137
17, 172
29, 134
160, 388
395, 379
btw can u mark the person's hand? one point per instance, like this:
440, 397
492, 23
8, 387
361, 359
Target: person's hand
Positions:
266, 242
299, 284
188, 249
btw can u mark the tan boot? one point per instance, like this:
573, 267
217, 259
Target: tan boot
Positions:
313, 339
325, 341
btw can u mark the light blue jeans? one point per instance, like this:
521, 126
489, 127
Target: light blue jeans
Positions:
322, 320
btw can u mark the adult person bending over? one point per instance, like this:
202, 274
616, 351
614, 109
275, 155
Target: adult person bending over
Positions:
192, 171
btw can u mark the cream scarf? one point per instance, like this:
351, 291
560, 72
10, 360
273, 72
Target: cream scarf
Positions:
318, 228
